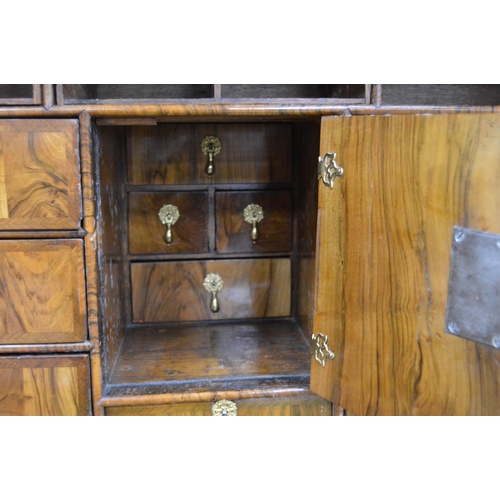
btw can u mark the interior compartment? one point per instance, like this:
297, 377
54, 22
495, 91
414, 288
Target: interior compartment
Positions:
12, 94
300, 91
160, 333
97, 92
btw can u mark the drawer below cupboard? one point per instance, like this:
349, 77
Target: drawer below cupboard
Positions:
297, 406
42, 292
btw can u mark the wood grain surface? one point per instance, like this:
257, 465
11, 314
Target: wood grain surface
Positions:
147, 234
39, 175
174, 291
171, 154
42, 292
308, 406
45, 386
234, 234
384, 255
264, 350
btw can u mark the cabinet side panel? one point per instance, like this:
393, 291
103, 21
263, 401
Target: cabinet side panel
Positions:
111, 228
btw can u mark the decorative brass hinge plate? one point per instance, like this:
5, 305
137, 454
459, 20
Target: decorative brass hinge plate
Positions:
328, 170
321, 350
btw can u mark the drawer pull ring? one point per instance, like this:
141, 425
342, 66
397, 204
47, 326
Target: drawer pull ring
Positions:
169, 215
211, 147
224, 408
214, 284
253, 214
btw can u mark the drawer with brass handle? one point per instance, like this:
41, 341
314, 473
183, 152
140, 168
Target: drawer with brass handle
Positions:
168, 223
210, 290
297, 406
253, 221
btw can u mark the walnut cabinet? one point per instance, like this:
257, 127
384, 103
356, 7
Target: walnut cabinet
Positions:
177, 250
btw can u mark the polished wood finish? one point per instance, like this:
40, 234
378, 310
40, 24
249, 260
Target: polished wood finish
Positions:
385, 242
45, 386
171, 154
42, 292
234, 234
176, 356
309, 406
147, 234
46, 348
174, 291
91, 265
39, 175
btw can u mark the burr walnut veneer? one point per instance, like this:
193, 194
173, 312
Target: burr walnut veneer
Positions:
166, 247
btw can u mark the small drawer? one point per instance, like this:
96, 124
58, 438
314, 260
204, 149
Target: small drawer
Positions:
175, 291
42, 292
45, 386
39, 175
172, 154
148, 235
253, 221
298, 406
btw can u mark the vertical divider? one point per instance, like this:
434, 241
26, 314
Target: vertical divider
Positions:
211, 219
217, 91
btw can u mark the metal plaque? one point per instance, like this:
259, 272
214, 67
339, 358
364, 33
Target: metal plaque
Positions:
473, 310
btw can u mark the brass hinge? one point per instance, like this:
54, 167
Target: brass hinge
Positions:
328, 170
320, 349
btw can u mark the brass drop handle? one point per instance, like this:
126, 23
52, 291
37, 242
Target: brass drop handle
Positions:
253, 214
224, 408
211, 147
169, 215
214, 284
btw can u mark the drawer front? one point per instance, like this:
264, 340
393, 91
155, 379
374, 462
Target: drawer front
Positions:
234, 232
147, 233
42, 292
307, 406
172, 154
45, 386
174, 291
39, 175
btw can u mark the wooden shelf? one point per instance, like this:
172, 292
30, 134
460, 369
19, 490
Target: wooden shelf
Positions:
207, 356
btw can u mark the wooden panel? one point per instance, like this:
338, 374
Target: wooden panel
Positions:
173, 291
308, 406
39, 174
234, 234
271, 350
385, 242
171, 154
147, 233
42, 292
45, 386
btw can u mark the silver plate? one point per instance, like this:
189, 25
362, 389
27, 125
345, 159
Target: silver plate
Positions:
473, 309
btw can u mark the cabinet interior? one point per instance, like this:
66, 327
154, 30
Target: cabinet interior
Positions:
110, 93
159, 332
20, 94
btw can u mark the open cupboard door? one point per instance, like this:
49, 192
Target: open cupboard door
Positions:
385, 239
